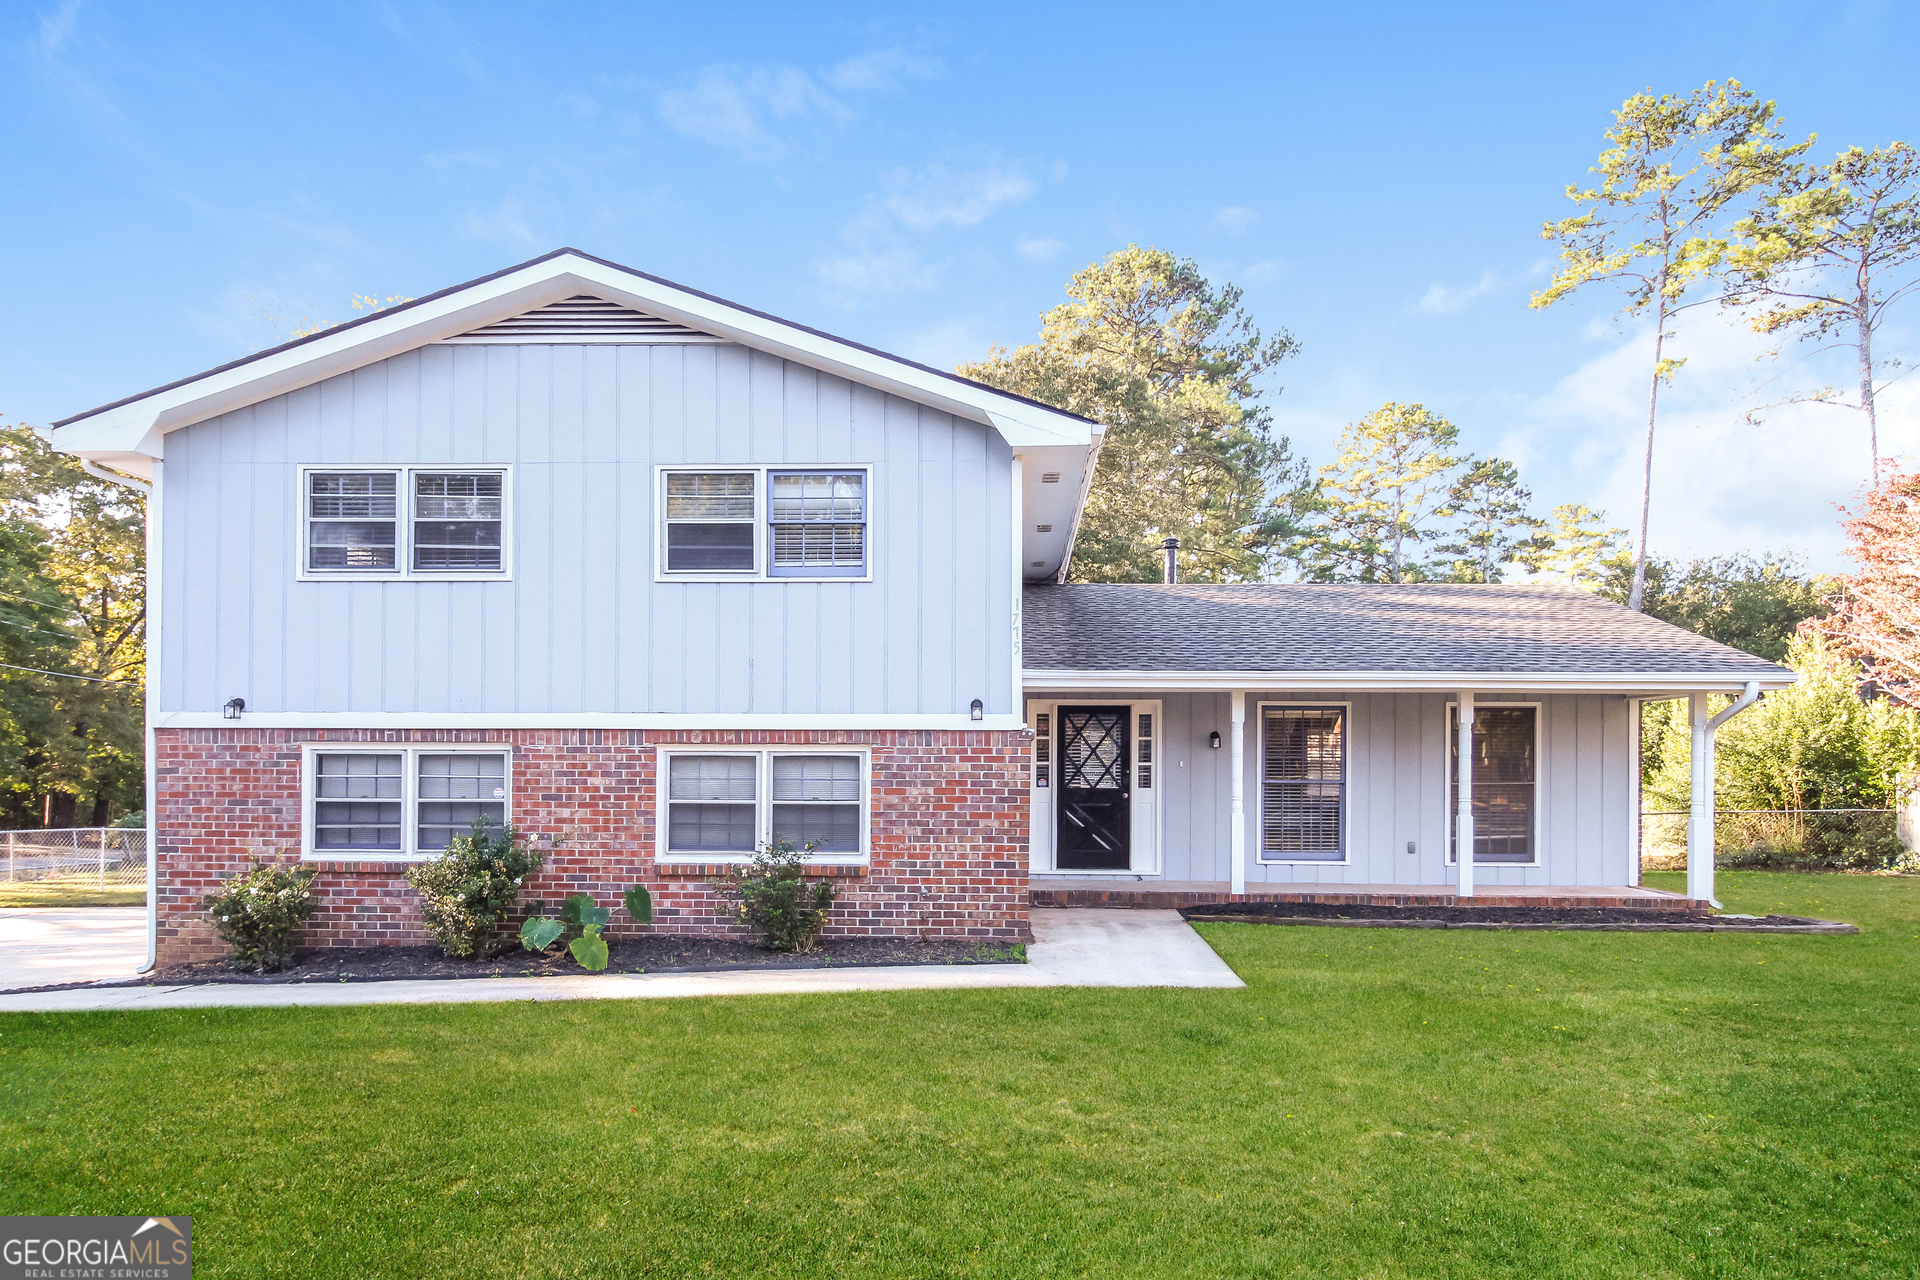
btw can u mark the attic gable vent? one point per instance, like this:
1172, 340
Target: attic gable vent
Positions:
584, 319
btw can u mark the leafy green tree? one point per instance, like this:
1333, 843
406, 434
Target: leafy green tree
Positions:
1831, 248
77, 555
1577, 546
1655, 223
1816, 745
1754, 603
1382, 496
1494, 525
1166, 362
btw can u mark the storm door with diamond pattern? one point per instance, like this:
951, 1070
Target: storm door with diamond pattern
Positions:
1095, 814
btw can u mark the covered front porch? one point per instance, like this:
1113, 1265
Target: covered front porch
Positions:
1145, 892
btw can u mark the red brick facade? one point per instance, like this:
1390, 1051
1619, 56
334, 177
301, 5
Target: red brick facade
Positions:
948, 830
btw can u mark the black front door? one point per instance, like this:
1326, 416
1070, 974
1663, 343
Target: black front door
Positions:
1095, 816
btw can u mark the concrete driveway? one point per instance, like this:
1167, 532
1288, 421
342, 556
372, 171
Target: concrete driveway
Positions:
43, 945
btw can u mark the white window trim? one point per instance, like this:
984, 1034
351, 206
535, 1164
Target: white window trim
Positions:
409, 793
403, 570
1259, 754
762, 518
763, 800
1539, 780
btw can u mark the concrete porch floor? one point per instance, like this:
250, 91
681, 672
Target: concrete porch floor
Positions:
1091, 891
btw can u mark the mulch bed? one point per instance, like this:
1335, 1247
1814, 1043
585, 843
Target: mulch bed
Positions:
650, 953
1611, 919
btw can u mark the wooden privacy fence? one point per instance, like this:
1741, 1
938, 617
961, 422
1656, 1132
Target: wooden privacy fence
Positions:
107, 857
1864, 839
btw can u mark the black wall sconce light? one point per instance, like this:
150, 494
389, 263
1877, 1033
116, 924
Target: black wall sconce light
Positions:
233, 708
1213, 739
979, 709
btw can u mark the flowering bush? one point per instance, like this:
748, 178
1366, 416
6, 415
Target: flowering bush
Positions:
775, 900
257, 911
467, 891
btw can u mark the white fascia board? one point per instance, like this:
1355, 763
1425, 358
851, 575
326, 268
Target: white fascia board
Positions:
1664, 684
575, 720
134, 427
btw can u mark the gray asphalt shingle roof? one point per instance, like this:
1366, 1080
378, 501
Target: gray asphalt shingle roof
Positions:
1327, 627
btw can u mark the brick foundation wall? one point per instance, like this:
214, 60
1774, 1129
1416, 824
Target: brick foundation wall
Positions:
948, 831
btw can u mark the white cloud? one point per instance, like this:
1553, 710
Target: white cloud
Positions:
738, 110
945, 345
753, 112
1719, 484
881, 71
1443, 300
510, 222
1234, 219
1266, 271
882, 251
56, 26
936, 196
1039, 248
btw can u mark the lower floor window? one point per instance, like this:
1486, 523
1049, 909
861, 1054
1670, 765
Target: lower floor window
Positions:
405, 803
734, 802
1505, 747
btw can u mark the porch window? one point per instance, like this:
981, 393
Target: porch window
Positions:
1505, 769
1303, 784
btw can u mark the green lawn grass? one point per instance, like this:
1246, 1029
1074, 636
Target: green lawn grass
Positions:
80, 890
1375, 1103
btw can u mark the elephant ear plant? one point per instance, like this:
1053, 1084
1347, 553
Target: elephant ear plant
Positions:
466, 892
579, 927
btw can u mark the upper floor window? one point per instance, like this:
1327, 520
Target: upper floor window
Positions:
764, 522
400, 522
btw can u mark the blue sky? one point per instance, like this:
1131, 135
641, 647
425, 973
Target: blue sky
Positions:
1374, 176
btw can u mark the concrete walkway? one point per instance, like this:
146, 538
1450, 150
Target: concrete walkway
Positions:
1070, 949
40, 946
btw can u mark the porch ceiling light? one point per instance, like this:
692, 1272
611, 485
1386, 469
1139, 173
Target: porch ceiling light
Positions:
1213, 739
233, 708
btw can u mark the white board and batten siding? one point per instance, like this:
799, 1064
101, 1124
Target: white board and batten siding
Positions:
581, 625
1397, 789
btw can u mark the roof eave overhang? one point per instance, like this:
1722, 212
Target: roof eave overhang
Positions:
137, 427
1632, 683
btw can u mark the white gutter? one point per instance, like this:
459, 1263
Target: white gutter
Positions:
1648, 683
99, 472
1700, 841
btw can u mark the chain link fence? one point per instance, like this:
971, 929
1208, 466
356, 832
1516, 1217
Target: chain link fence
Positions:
1780, 839
98, 857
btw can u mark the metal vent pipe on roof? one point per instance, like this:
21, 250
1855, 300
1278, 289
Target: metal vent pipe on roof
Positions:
1172, 547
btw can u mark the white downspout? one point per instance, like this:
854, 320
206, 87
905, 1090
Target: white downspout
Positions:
1463, 838
1700, 835
1238, 790
152, 636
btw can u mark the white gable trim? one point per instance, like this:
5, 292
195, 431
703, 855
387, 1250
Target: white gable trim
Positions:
129, 433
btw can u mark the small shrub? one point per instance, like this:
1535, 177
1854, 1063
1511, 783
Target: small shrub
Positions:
775, 900
467, 891
257, 912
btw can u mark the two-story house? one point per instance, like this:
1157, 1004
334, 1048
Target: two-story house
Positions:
583, 550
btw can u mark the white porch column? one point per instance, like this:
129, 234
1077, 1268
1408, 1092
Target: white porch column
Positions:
1463, 839
1238, 790
1700, 802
